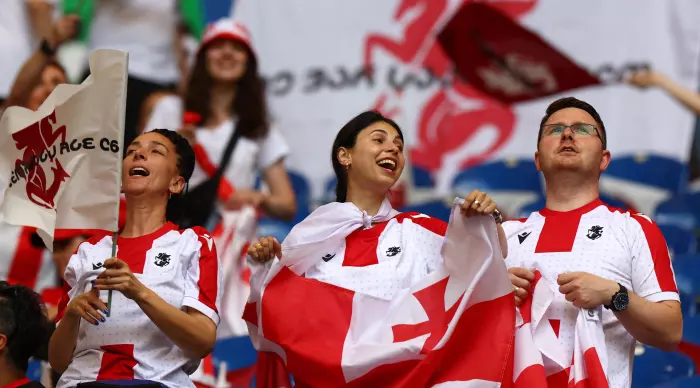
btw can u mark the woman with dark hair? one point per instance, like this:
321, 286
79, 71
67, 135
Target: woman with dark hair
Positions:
164, 283
225, 94
23, 331
359, 242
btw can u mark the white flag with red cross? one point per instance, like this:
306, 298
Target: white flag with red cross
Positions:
62, 163
455, 327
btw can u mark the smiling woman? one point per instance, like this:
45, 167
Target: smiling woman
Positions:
166, 284
359, 242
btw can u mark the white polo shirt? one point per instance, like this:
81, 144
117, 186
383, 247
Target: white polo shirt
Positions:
604, 241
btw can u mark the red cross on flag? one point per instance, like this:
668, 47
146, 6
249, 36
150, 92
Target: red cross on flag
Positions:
454, 326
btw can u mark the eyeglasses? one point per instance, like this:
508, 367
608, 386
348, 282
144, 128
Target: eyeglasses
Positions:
579, 130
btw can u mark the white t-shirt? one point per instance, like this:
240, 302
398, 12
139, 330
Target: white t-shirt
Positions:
143, 28
373, 261
181, 267
250, 156
607, 242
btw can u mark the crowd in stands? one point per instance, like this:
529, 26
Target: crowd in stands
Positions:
204, 85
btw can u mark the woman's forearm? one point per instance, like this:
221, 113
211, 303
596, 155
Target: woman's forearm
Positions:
63, 341
282, 207
194, 333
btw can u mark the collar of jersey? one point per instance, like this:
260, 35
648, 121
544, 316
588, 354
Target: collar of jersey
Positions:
576, 212
169, 226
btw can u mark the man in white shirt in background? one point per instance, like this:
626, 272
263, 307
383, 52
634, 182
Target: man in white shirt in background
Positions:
23, 24
591, 254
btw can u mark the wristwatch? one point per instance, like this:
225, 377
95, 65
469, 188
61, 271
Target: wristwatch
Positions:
620, 300
47, 49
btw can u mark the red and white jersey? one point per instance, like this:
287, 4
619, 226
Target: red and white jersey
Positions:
604, 241
371, 260
23, 262
181, 267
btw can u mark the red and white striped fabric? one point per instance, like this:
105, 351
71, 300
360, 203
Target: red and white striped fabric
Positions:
24, 262
181, 267
541, 361
453, 327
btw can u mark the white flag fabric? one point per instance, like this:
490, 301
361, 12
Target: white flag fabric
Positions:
454, 327
62, 163
535, 341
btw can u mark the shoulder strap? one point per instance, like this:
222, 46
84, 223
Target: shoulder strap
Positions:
228, 152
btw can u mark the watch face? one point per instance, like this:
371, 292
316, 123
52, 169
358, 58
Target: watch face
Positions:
621, 301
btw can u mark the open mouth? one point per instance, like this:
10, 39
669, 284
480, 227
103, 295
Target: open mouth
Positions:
387, 164
139, 171
567, 149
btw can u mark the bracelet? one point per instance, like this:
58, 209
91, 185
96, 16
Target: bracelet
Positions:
46, 48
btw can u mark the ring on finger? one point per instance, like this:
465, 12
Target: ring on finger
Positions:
516, 288
257, 245
477, 202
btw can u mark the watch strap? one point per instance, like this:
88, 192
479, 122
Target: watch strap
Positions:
46, 48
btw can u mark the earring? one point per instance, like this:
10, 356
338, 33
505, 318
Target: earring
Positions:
347, 166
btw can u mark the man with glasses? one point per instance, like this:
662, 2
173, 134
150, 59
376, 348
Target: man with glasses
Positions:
591, 254
23, 331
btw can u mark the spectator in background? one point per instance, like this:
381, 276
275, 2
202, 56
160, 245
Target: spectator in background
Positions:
23, 24
225, 92
22, 333
23, 258
150, 32
687, 97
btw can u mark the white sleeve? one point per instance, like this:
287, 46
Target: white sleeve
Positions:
652, 274
203, 279
167, 113
272, 148
428, 236
73, 271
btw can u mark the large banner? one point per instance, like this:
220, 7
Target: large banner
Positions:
325, 61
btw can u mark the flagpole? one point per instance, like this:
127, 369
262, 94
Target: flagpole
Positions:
122, 119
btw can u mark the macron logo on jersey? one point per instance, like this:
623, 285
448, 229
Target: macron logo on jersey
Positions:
209, 240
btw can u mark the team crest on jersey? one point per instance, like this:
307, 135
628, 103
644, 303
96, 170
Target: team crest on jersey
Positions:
162, 259
595, 232
393, 251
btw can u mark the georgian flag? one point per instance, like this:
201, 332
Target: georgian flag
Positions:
453, 328
536, 340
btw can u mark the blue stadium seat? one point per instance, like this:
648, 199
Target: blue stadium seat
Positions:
302, 190
272, 227
34, 370
654, 366
237, 352
329, 192
422, 178
681, 210
539, 204
651, 170
691, 329
687, 270
680, 241
687, 382
437, 209
502, 175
